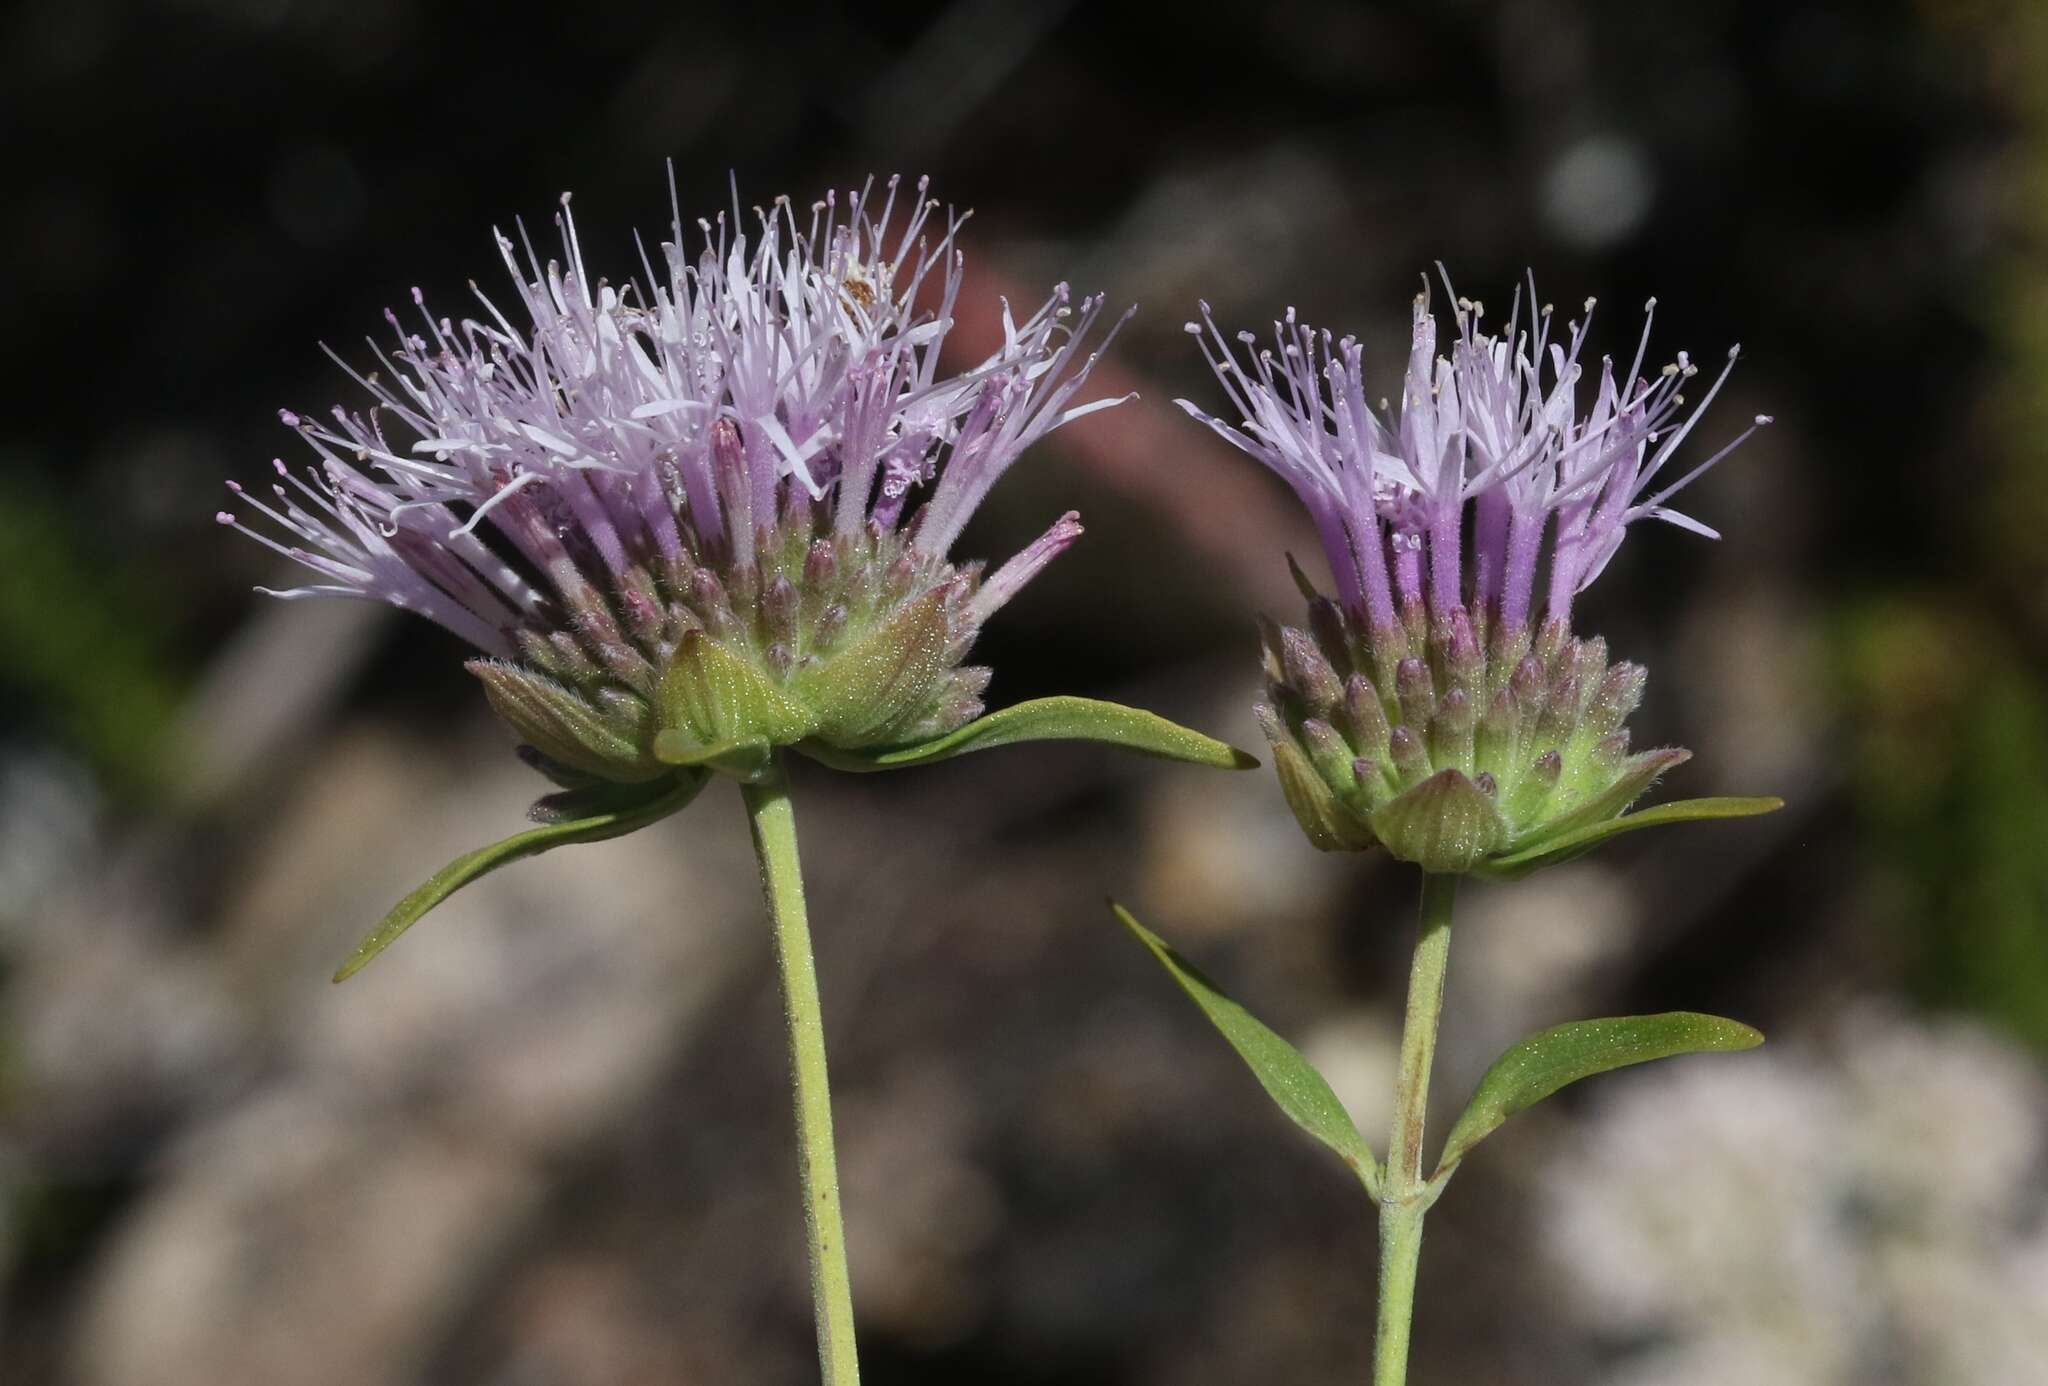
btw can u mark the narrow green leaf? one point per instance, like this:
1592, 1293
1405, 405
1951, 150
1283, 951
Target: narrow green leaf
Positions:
1288, 1078
1550, 851
1049, 719
615, 822
1550, 1059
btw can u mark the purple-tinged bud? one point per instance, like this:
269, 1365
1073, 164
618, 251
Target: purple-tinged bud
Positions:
1415, 625
827, 630
743, 581
621, 709
1451, 732
1366, 772
1621, 692
1506, 647
1410, 756
1549, 641
1530, 688
707, 597
898, 578
779, 657
1329, 753
1610, 751
1414, 691
1269, 720
1486, 784
795, 514
1389, 647
821, 565
676, 570
539, 651
1591, 664
1308, 673
1499, 726
1560, 713
645, 615
779, 603
1527, 798
1365, 716
574, 658
1464, 663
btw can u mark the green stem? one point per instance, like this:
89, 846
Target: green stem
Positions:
774, 824
1404, 1194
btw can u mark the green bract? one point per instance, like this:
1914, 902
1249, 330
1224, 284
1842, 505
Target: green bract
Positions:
1465, 751
849, 641
845, 649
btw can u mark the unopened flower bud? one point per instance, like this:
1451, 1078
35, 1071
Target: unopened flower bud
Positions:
1307, 672
1415, 692
1365, 717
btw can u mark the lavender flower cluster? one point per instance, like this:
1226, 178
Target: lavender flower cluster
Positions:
717, 510
758, 449
1435, 707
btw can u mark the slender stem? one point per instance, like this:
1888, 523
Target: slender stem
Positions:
1404, 1193
774, 824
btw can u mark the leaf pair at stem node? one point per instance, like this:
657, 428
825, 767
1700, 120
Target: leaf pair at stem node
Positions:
1528, 1072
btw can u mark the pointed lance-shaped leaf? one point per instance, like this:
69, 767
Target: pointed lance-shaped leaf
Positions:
1551, 851
1299, 1091
1048, 719
627, 814
1551, 1059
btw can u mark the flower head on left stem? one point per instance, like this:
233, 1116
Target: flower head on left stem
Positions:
693, 519
715, 509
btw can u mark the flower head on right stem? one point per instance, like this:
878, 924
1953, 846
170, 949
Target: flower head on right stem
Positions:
1439, 705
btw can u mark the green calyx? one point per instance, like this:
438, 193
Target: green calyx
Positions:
845, 648
845, 641
1463, 750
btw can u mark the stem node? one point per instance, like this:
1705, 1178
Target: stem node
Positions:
1405, 1196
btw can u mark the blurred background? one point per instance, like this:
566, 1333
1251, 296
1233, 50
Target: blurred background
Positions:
546, 1139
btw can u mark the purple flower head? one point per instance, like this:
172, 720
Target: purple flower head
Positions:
754, 447
1434, 707
1456, 495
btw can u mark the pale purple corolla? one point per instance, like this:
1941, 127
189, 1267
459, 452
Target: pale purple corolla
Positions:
1456, 495
591, 445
